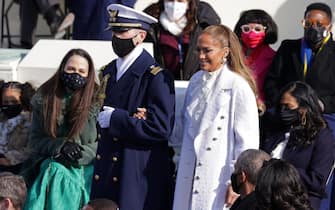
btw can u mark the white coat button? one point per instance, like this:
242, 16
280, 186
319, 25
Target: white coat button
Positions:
219, 128
197, 178
208, 149
214, 139
195, 192
222, 117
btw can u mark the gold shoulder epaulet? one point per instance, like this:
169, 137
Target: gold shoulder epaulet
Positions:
102, 68
155, 69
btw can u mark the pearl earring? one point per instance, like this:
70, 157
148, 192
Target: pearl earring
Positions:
224, 60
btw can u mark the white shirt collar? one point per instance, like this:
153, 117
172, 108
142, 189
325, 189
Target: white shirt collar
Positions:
122, 64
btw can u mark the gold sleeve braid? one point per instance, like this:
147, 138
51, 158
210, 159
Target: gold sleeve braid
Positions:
103, 85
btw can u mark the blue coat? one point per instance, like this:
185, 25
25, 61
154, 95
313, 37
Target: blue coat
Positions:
92, 18
132, 164
313, 162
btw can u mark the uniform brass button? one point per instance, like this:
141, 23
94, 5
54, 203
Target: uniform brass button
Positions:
208, 149
214, 139
115, 179
98, 157
114, 159
115, 139
96, 177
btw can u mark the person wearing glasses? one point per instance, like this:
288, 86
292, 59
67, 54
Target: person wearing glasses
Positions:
219, 121
256, 31
309, 59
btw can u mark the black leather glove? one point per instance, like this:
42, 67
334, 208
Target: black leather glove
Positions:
66, 162
72, 151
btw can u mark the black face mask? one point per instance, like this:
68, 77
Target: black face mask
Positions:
234, 183
73, 81
11, 110
314, 36
122, 47
289, 116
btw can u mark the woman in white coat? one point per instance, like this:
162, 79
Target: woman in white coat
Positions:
219, 121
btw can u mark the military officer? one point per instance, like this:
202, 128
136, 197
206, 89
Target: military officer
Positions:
132, 164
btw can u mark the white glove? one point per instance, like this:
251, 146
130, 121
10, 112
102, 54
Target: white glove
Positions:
105, 116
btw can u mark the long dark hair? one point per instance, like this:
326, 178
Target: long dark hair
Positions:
53, 92
279, 187
311, 122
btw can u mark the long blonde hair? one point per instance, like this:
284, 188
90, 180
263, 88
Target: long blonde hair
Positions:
235, 58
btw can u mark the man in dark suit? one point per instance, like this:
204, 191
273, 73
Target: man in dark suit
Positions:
244, 178
132, 163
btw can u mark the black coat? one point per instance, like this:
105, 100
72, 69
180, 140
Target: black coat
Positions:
132, 164
249, 202
288, 66
313, 162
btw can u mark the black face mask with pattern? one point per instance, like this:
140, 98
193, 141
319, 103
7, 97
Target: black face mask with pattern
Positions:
11, 110
73, 81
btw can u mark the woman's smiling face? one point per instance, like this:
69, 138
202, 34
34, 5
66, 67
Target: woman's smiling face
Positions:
210, 53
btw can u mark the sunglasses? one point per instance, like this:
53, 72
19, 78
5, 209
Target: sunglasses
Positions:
257, 28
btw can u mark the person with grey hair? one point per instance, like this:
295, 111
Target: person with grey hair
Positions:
13, 191
244, 178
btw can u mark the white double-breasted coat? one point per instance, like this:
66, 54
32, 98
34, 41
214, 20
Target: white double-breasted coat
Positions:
229, 125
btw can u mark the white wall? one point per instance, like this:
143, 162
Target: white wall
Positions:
287, 13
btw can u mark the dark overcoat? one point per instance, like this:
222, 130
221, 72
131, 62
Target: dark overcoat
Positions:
132, 164
313, 162
288, 66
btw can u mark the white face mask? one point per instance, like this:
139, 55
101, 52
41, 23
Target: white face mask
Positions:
175, 10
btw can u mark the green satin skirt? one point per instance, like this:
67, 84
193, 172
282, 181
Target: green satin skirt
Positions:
60, 188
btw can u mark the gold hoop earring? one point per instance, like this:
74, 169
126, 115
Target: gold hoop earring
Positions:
303, 119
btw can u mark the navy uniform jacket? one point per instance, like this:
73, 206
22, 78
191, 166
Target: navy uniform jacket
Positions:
132, 164
312, 162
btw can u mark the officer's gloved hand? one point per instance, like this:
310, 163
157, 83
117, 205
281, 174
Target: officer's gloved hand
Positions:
72, 151
105, 116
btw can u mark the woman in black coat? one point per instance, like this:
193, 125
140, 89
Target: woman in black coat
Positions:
304, 139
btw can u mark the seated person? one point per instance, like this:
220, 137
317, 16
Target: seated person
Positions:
244, 178
101, 204
279, 187
303, 138
15, 123
50, 9
13, 191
